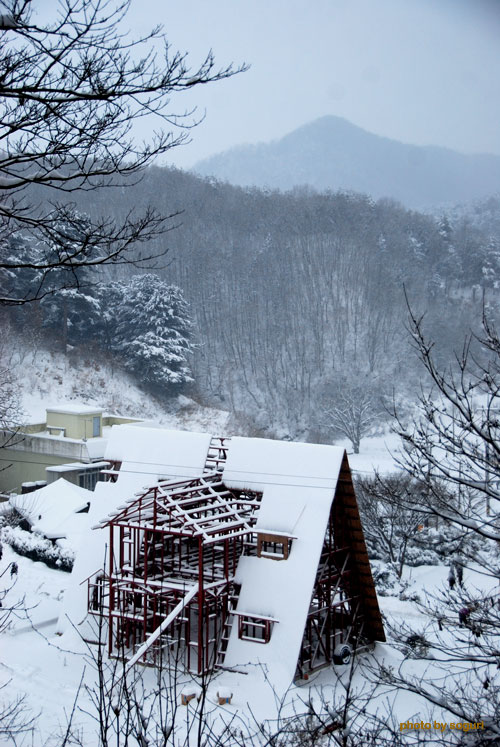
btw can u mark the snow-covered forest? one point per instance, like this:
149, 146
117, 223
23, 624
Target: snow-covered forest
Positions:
299, 316
272, 304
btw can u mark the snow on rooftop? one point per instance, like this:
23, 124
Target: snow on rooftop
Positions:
298, 483
281, 589
255, 463
90, 557
75, 409
147, 454
53, 509
279, 511
77, 466
96, 447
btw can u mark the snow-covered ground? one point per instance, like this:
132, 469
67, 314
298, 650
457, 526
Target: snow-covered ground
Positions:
48, 668
377, 454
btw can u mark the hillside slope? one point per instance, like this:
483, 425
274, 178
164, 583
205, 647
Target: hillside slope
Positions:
44, 379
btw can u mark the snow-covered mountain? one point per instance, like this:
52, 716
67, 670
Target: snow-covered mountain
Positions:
331, 153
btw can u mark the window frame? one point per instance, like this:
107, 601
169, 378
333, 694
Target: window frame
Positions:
255, 628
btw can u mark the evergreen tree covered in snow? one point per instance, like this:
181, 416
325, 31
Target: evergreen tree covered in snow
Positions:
153, 331
109, 297
32, 254
74, 312
143, 321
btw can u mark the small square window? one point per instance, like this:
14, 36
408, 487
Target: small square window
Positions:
273, 546
254, 629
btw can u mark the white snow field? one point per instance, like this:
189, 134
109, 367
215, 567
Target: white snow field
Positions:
48, 378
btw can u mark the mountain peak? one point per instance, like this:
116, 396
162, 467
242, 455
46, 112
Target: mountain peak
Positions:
331, 153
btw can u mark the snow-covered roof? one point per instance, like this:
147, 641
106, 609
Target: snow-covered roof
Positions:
54, 509
80, 466
148, 454
96, 447
75, 409
90, 557
257, 463
298, 483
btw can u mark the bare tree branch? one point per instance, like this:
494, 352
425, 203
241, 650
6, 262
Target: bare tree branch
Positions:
71, 92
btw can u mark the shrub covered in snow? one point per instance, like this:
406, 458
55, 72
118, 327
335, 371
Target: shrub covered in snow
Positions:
37, 547
386, 579
447, 540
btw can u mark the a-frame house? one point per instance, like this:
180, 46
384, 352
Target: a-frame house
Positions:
255, 556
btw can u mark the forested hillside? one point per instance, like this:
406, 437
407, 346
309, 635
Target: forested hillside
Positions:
293, 298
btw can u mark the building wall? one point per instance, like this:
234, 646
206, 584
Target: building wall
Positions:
24, 466
27, 459
34, 450
76, 425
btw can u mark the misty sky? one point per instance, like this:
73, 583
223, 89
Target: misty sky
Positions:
420, 71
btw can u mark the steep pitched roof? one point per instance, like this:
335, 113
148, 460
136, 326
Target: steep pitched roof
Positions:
348, 523
298, 482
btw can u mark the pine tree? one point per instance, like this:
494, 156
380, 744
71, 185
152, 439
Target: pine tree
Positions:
153, 332
14, 282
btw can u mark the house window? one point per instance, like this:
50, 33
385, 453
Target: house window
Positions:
255, 629
276, 547
96, 426
89, 478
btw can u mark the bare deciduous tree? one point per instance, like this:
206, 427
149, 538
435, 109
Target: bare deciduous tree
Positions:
454, 439
391, 509
351, 411
72, 90
10, 409
453, 443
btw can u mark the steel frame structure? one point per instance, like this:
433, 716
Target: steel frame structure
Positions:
335, 614
174, 536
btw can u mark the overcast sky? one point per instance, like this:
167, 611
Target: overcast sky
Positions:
419, 71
